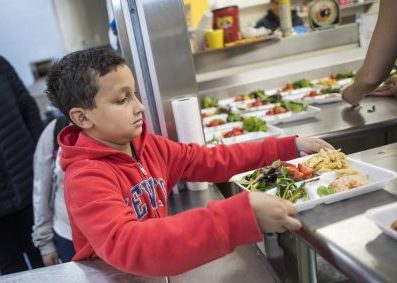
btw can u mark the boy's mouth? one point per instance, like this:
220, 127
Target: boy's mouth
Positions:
139, 121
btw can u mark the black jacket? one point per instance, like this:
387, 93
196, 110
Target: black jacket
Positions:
20, 128
271, 21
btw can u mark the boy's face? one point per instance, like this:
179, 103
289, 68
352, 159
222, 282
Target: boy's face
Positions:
118, 115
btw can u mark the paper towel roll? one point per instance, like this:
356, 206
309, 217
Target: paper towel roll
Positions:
188, 127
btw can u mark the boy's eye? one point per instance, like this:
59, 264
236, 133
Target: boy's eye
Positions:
122, 101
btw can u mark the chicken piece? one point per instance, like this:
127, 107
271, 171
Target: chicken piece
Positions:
348, 182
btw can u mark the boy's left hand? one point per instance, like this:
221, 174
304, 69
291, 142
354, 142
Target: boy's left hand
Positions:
308, 146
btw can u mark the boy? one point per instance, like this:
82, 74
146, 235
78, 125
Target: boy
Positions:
118, 176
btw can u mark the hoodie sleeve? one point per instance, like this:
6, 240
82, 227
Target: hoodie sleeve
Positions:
196, 163
159, 246
43, 167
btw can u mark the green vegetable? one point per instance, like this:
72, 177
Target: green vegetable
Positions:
346, 75
295, 107
208, 102
287, 189
302, 83
232, 117
275, 98
330, 90
254, 124
258, 94
325, 191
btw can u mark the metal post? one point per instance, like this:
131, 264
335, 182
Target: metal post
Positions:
307, 267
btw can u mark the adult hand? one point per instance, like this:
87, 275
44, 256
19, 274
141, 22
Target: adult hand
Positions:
50, 259
351, 95
388, 88
308, 146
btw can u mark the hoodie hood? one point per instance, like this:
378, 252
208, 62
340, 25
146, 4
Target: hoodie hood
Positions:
76, 146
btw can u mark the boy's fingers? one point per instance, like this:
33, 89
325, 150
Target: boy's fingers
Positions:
292, 223
291, 210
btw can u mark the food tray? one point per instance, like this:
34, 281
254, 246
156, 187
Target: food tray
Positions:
244, 108
271, 132
310, 112
296, 91
384, 216
319, 99
223, 127
378, 178
206, 120
230, 102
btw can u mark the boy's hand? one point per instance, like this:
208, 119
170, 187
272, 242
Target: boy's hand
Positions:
273, 214
308, 146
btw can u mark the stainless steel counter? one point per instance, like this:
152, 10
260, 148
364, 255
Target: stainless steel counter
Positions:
351, 130
336, 119
88, 271
344, 236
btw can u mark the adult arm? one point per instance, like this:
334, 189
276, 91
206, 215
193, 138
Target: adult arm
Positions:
381, 55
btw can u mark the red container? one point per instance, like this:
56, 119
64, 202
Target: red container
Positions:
227, 19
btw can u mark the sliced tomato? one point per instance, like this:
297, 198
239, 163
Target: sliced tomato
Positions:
305, 169
215, 123
256, 103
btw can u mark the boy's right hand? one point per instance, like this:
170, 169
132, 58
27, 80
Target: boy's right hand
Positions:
273, 214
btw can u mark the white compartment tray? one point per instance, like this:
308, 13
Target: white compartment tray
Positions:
384, 216
378, 178
319, 99
310, 112
247, 136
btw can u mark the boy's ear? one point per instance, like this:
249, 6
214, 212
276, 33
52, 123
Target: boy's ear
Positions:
79, 118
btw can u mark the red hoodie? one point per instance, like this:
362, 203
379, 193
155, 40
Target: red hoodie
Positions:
118, 206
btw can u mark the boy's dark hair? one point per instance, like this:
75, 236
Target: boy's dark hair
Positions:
72, 81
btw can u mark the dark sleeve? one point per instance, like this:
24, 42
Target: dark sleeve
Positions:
27, 105
296, 20
267, 22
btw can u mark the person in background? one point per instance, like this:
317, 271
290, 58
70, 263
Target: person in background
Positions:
118, 176
51, 231
380, 58
271, 20
20, 128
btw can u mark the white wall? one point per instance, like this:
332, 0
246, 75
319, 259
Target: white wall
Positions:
28, 33
83, 23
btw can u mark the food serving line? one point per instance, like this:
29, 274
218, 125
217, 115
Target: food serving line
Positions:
340, 231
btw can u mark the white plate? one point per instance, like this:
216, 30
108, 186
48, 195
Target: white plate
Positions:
378, 178
384, 216
310, 112
247, 136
